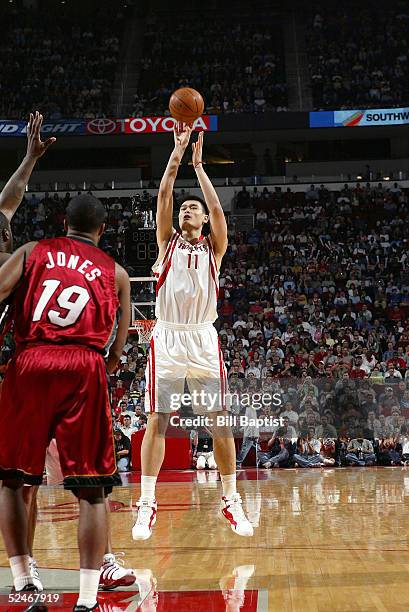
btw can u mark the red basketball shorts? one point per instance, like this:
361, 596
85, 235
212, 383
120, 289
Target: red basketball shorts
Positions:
57, 392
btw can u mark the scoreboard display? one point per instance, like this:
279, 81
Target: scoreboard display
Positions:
141, 250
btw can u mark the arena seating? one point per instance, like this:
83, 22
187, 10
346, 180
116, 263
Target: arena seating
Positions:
236, 68
351, 70
319, 288
62, 59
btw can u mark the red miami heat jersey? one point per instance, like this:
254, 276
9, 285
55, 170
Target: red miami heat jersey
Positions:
67, 295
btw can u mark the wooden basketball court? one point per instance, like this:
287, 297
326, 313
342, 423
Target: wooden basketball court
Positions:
333, 539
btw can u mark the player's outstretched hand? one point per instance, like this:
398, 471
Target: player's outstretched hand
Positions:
197, 149
181, 133
35, 147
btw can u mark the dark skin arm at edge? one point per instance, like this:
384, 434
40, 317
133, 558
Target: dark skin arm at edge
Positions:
12, 269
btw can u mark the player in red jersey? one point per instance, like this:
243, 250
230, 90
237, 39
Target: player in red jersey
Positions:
66, 296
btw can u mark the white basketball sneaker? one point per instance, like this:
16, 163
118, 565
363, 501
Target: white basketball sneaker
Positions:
232, 510
147, 510
113, 574
35, 575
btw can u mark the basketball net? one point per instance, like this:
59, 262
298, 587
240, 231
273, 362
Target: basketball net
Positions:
144, 329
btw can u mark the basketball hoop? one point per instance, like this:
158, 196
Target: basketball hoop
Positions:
144, 329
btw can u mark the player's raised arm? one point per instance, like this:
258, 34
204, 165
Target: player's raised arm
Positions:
124, 294
13, 192
218, 225
164, 212
11, 271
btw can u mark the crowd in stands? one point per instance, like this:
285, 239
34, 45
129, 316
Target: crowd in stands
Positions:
313, 306
358, 55
64, 58
60, 58
237, 63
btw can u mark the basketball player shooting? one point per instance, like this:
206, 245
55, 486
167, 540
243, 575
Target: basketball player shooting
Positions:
66, 296
184, 344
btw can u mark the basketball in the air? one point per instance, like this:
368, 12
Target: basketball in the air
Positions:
186, 105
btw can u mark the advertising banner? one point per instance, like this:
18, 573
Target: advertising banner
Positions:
132, 125
360, 118
63, 126
146, 125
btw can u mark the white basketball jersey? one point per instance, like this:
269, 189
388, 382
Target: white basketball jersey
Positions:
187, 285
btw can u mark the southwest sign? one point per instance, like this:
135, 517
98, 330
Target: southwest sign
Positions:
360, 118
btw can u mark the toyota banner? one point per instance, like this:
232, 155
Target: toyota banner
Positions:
133, 125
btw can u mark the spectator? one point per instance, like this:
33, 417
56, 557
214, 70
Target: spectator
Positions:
278, 453
309, 452
392, 375
203, 450
360, 452
122, 451
325, 429
127, 427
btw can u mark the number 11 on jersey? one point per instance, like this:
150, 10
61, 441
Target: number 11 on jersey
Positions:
196, 261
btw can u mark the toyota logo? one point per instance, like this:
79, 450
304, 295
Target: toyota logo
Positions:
101, 126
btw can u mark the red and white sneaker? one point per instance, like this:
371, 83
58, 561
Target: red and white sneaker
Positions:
232, 510
147, 510
113, 575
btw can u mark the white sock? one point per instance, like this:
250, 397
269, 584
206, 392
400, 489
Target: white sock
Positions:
228, 484
20, 569
148, 485
89, 581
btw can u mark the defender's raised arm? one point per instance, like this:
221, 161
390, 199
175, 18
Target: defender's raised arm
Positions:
164, 212
13, 192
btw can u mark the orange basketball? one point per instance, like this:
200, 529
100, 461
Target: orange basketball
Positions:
186, 104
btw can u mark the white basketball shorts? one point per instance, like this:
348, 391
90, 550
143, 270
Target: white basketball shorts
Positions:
190, 353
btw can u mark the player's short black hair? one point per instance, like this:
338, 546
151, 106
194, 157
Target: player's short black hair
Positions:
4, 222
85, 213
195, 198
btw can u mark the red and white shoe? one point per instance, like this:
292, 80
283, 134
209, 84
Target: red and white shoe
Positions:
147, 510
113, 575
232, 510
